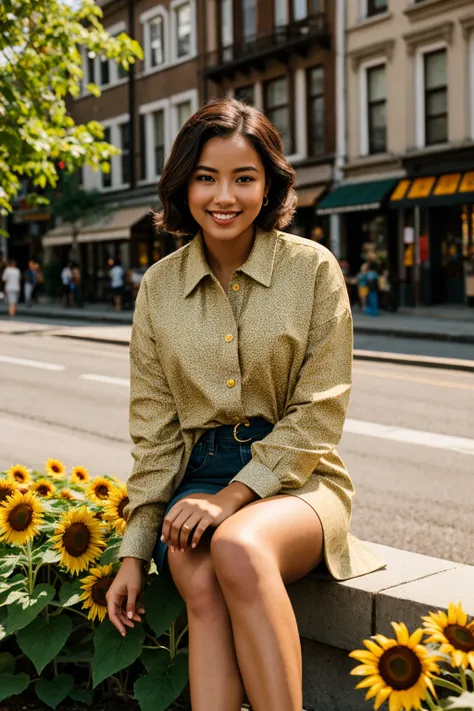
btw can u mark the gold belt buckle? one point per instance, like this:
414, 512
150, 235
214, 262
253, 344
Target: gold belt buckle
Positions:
235, 432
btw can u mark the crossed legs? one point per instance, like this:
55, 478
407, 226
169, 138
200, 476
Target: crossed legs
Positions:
242, 629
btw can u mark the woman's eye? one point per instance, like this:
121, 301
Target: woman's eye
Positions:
204, 178
246, 179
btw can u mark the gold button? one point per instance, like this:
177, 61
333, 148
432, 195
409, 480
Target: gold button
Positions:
230, 383
235, 287
229, 338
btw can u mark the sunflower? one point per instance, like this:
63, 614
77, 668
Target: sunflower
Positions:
79, 475
100, 490
43, 487
66, 494
400, 669
7, 488
453, 633
19, 474
20, 518
113, 509
95, 588
79, 539
55, 469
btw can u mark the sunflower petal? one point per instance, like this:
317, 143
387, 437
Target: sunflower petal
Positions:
415, 638
382, 696
401, 632
375, 679
364, 670
374, 648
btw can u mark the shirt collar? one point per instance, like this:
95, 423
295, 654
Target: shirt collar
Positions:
259, 264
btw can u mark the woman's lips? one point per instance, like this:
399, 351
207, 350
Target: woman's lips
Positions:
223, 218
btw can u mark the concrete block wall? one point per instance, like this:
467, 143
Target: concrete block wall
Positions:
334, 618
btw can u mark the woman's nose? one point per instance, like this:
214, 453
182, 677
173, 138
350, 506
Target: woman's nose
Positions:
224, 196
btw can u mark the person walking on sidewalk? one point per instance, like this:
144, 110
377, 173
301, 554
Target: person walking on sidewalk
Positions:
372, 307
117, 283
12, 280
29, 283
241, 354
66, 281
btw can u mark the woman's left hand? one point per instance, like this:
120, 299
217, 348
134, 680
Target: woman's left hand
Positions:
199, 512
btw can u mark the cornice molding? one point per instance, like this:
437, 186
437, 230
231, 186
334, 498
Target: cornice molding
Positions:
433, 8
467, 24
444, 32
369, 22
370, 51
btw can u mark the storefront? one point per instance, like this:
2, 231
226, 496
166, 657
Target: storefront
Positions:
436, 238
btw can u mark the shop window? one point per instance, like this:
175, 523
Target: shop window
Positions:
376, 109
376, 7
183, 30
317, 142
246, 94
436, 98
277, 108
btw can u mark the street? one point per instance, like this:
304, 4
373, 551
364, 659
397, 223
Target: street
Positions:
408, 441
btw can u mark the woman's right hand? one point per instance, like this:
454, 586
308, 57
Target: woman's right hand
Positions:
123, 606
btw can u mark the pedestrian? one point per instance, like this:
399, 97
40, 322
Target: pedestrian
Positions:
362, 285
66, 282
38, 292
241, 357
12, 279
76, 284
372, 306
29, 283
3, 266
117, 283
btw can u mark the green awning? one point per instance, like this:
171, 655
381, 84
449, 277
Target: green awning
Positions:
356, 196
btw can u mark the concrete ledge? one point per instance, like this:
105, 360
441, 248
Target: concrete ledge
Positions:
334, 617
419, 360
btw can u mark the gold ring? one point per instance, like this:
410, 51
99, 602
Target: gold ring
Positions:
185, 528
235, 432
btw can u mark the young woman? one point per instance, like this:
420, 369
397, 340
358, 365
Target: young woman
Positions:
240, 377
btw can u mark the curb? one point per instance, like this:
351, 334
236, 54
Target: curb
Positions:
418, 335
93, 339
466, 366
77, 315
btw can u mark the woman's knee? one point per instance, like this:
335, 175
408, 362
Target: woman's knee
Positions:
197, 584
240, 560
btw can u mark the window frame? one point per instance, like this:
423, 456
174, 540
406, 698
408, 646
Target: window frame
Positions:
419, 91
430, 92
117, 182
310, 99
373, 10
375, 103
364, 139
244, 88
146, 18
174, 7
287, 105
112, 67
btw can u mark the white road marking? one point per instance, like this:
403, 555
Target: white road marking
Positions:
462, 445
31, 363
106, 379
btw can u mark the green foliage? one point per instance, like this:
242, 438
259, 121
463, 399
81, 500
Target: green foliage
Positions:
44, 624
41, 69
465, 701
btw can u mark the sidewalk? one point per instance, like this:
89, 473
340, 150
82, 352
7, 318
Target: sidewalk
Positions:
454, 324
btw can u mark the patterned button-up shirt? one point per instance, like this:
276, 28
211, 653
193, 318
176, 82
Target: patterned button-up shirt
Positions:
277, 345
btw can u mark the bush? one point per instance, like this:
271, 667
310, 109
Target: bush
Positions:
59, 540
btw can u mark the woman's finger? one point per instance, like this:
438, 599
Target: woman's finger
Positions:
175, 528
169, 518
114, 609
203, 525
186, 530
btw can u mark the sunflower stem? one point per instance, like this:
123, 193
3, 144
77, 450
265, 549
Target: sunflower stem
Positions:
180, 637
430, 702
463, 679
172, 632
28, 553
448, 685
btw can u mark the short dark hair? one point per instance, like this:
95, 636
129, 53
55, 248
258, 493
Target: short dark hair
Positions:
224, 118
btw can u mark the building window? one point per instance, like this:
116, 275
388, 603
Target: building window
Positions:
277, 107
376, 109
317, 132
436, 97
376, 7
249, 19
104, 71
107, 177
300, 9
184, 111
281, 12
159, 141
183, 30
157, 43
91, 69
246, 94
124, 138
143, 166
227, 30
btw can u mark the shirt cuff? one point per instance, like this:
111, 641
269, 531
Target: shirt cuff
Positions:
141, 532
260, 479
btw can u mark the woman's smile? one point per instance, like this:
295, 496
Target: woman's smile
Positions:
223, 218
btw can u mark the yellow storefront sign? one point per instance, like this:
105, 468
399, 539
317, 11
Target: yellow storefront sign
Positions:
421, 188
467, 183
447, 184
400, 191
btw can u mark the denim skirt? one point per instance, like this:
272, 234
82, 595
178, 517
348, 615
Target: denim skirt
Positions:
215, 460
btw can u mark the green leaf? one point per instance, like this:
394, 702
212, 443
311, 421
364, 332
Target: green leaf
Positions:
114, 652
10, 588
13, 684
84, 696
3, 622
110, 555
70, 593
164, 682
7, 663
53, 692
42, 640
464, 701
163, 603
26, 608
8, 565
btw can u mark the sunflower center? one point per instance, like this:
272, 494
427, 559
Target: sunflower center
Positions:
76, 539
99, 591
19, 476
20, 517
460, 637
55, 469
102, 492
43, 490
122, 505
80, 475
5, 493
400, 668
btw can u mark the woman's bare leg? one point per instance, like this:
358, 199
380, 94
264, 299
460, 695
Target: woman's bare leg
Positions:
215, 679
256, 552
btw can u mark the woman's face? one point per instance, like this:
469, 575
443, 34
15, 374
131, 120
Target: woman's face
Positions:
227, 188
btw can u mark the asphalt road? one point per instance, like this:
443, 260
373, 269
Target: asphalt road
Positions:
408, 443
